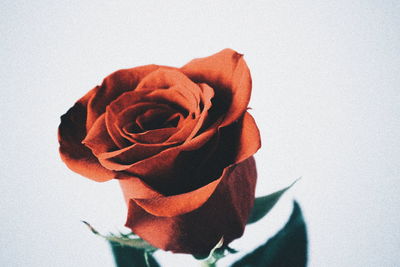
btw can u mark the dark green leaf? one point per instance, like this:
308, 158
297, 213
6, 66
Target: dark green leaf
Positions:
126, 256
231, 250
288, 248
262, 205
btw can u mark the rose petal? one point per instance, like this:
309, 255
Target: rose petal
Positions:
110, 156
250, 140
183, 133
145, 110
224, 214
71, 132
170, 97
133, 122
112, 87
155, 118
229, 75
156, 136
133, 187
179, 88
191, 127
180, 92
167, 78
175, 97
176, 170
126, 158
235, 143
123, 159
98, 139
169, 206
100, 142
141, 159
206, 96
127, 102
162, 163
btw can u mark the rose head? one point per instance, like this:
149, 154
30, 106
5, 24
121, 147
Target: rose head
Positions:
179, 140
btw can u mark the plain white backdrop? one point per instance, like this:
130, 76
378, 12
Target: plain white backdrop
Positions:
326, 98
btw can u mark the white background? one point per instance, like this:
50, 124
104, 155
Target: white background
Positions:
326, 98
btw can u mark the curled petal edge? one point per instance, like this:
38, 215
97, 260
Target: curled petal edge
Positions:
170, 206
229, 68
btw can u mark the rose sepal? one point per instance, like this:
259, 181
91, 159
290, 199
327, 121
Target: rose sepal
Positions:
129, 239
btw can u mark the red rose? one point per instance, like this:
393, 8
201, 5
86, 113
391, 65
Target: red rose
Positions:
180, 142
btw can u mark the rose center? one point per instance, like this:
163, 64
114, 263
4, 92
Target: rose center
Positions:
153, 119
156, 122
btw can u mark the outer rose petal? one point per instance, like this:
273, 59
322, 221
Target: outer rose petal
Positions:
169, 206
227, 71
224, 214
71, 132
249, 140
133, 187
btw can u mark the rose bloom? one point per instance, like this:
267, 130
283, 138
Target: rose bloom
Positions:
179, 141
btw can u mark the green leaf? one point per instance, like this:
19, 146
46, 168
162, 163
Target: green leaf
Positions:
288, 248
262, 205
126, 256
